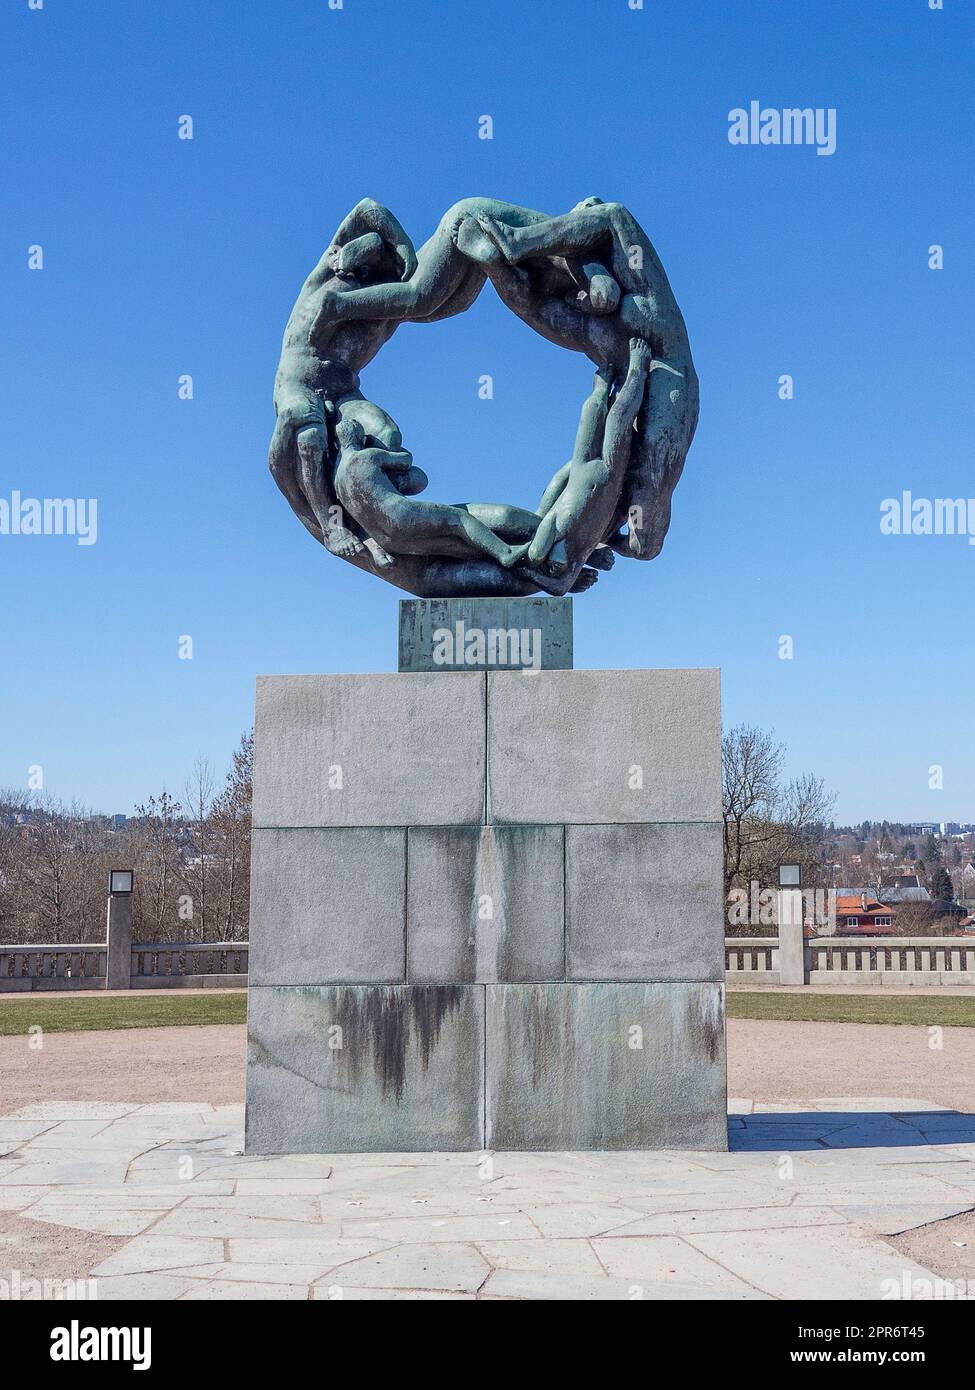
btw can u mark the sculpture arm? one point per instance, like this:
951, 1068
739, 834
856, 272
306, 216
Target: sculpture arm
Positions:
370, 216
619, 435
554, 490
544, 538
367, 218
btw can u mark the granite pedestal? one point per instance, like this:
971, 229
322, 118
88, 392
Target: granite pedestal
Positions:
486, 898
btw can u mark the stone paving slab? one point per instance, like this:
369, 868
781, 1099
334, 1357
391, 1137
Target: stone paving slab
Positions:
796, 1209
831, 1262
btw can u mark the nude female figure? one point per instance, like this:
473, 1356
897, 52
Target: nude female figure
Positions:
667, 418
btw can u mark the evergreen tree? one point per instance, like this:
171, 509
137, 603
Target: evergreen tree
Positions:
940, 886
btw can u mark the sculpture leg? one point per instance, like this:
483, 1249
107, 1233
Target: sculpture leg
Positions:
282, 461
577, 232
312, 471
592, 420
544, 538
510, 523
482, 538
624, 410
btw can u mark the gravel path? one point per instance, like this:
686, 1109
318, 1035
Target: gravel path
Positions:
767, 1061
129, 1064
772, 1061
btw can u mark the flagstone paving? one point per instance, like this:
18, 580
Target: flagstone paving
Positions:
798, 1209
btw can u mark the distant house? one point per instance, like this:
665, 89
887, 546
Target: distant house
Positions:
968, 881
861, 914
904, 888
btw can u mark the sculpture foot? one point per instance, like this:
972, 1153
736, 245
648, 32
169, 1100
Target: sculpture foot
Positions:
380, 558
478, 244
341, 542
586, 579
500, 235
602, 558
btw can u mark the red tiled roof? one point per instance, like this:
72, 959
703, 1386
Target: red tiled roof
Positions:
853, 907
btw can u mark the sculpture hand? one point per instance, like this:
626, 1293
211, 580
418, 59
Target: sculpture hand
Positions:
407, 259
328, 315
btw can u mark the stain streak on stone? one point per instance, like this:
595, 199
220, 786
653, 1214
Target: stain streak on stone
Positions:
705, 1020
547, 1032
385, 1022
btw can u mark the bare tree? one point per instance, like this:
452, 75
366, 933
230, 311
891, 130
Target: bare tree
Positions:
158, 862
766, 821
232, 825
199, 805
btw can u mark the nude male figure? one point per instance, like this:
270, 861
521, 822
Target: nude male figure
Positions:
582, 496
668, 417
450, 273
369, 243
378, 487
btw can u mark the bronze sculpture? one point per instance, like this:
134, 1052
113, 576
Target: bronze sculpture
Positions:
589, 280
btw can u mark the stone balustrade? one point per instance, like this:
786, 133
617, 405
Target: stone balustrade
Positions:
838, 960
159, 965
886, 960
80, 965
189, 965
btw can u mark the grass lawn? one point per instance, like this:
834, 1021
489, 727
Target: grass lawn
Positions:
55, 1013
59, 1013
926, 1010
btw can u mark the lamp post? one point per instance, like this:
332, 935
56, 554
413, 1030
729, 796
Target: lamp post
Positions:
792, 944
118, 942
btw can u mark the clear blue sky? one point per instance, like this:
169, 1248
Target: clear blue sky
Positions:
165, 257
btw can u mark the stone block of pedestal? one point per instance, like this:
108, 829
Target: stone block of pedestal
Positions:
485, 903
603, 747
605, 1066
365, 1068
369, 750
643, 902
328, 905
482, 634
